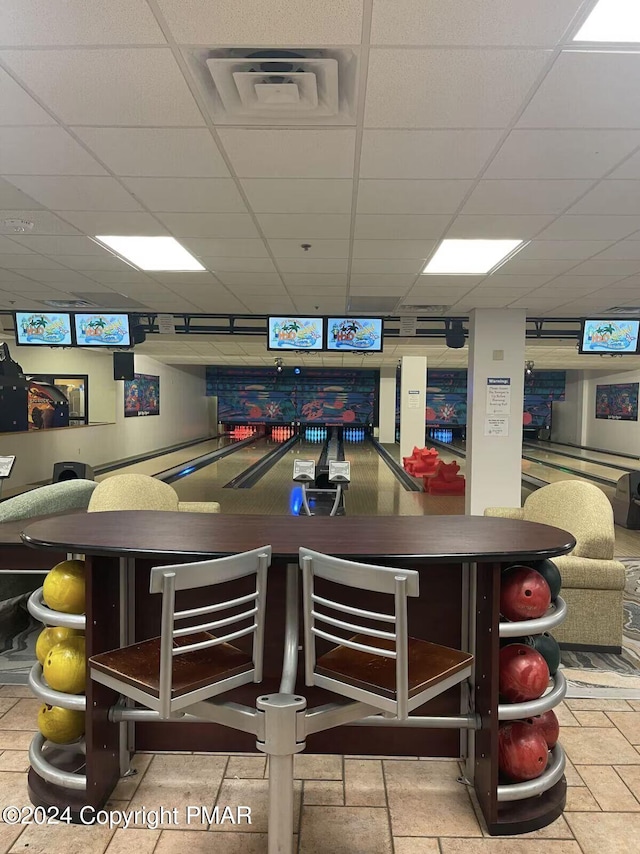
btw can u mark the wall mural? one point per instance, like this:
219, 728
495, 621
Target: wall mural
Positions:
617, 402
142, 395
316, 395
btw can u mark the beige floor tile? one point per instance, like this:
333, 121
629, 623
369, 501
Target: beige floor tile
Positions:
635, 704
510, 845
323, 793
344, 830
593, 719
606, 833
310, 766
249, 767
22, 715
364, 783
201, 843
129, 840
580, 799
14, 760
127, 786
565, 716
425, 800
630, 774
6, 703
608, 788
598, 746
13, 789
20, 691
571, 775
9, 834
596, 705
252, 794
178, 781
628, 723
415, 845
67, 838
13, 740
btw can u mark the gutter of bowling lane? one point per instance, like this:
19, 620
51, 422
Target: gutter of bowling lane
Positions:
188, 467
256, 471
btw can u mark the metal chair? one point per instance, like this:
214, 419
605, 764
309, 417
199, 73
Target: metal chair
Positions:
189, 664
379, 665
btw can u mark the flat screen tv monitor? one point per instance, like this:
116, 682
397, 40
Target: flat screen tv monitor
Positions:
102, 329
355, 333
43, 328
295, 333
610, 335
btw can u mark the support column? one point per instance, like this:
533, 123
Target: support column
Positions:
387, 405
495, 400
413, 402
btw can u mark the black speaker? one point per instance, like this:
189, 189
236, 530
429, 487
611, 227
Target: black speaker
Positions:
71, 471
123, 366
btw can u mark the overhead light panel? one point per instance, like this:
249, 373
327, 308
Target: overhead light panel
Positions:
612, 21
470, 257
151, 253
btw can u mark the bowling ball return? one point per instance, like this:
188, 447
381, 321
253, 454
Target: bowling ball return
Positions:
324, 484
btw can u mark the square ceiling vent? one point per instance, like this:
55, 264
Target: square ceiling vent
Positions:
278, 86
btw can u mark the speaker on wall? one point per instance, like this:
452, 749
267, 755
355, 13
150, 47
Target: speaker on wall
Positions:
123, 366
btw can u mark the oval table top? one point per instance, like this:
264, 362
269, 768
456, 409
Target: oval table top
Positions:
155, 534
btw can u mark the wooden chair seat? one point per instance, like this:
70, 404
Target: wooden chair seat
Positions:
429, 664
139, 664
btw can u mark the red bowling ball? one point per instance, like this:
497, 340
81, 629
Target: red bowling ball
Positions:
523, 673
524, 594
547, 723
522, 751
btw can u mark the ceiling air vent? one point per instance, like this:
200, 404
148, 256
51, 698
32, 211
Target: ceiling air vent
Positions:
278, 86
623, 309
423, 309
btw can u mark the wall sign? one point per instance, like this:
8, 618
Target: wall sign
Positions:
497, 425
498, 396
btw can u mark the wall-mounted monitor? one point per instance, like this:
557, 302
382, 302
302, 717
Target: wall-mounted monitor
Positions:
295, 333
355, 333
610, 335
102, 329
46, 329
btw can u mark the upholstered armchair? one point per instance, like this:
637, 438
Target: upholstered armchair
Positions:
142, 492
592, 581
60, 497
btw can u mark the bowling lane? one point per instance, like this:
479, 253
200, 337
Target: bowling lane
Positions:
581, 467
604, 457
162, 462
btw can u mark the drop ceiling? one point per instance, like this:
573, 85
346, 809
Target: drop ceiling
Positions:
479, 118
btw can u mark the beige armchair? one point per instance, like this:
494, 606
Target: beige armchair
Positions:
592, 581
142, 492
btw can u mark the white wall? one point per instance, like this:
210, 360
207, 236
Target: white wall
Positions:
621, 436
183, 415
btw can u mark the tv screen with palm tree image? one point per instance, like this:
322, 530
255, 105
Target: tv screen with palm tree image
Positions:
45, 329
101, 329
354, 333
295, 333
610, 335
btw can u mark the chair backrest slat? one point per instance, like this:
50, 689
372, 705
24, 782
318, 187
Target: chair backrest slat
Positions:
214, 642
349, 609
218, 606
364, 576
200, 574
352, 627
217, 624
386, 653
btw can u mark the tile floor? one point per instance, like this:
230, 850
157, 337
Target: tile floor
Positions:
345, 805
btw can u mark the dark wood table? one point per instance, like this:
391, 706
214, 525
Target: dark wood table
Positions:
440, 547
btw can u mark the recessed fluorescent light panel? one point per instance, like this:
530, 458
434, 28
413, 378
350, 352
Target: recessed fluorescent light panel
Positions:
470, 257
612, 21
151, 253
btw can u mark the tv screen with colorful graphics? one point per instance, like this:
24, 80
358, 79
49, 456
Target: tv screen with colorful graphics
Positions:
295, 333
43, 328
612, 335
102, 329
355, 333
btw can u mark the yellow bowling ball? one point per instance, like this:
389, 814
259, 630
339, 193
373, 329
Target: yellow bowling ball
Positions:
63, 588
65, 668
50, 637
60, 725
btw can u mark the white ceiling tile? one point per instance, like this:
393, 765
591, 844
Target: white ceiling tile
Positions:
426, 154
318, 249
110, 222
70, 193
12, 197
305, 226
490, 85
87, 263
238, 265
528, 282
314, 280
59, 244
48, 151
390, 280
209, 225
61, 277
209, 247
270, 305
610, 197
250, 22
393, 248
189, 195
17, 107
231, 278
382, 266
592, 89
266, 153
26, 262
523, 197
532, 266
400, 226
43, 221
313, 265
411, 197
108, 86
488, 226
629, 169
583, 282
187, 280
8, 245
591, 228
624, 250
608, 267
549, 250
296, 195
448, 282
78, 22
325, 305
122, 278
470, 22
561, 153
